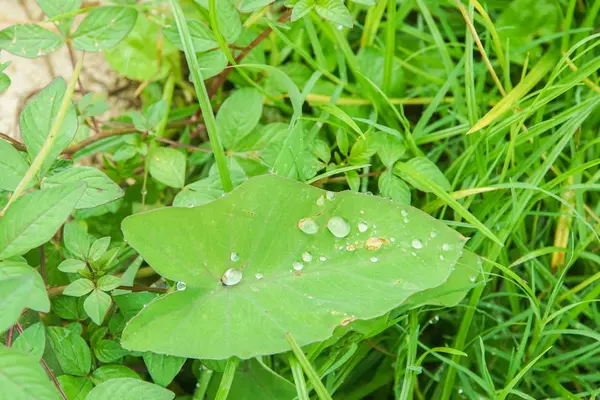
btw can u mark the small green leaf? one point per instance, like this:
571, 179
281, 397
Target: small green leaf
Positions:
108, 283
76, 240
38, 117
212, 63
247, 6
342, 116
302, 8
202, 37
4, 82
104, 27
96, 305
71, 265
113, 371
69, 308
100, 188
239, 115
156, 113
92, 105
99, 247
393, 187
71, 351
53, 8
108, 351
129, 389
78, 288
390, 149
229, 21
321, 150
32, 341
75, 387
334, 11
23, 378
341, 138
425, 167
29, 41
163, 368
168, 166
12, 166
35, 217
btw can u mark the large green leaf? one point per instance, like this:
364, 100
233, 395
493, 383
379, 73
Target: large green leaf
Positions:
239, 115
38, 117
129, 389
202, 37
21, 287
23, 378
103, 28
29, 40
32, 341
12, 166
100, 188
304, 284
34, 218
72, 352
168, 166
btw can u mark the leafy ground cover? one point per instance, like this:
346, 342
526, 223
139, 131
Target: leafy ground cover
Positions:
313, 199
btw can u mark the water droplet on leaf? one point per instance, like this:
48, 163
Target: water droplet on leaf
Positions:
338, 226
374, 259
416, 244
308, 225
445, 247
231, 277
297, 265
323, 258
234, 256
362, 226
473, 278
433, 234
404, 213
258, 275
330, 195
306, 256
180, 286
321, 201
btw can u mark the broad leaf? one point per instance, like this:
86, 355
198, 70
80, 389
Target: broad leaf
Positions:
247, 6
238, 115
72, 352
168, 166
302, 8
393, 187
12, 166
108, 283
79, 288
35, 217
163, 368
129, 389
212, 63
368, 256
71, 265
108, 351
96, 305
21, 287
334, 11
29, 40
75, 387
229, 21
99, 247
202, 37
76, 240
100, 188
38, 117
103, 28
426, 167
113, 371
32, 341
23, 378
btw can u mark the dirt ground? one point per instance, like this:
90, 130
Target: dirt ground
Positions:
30, 75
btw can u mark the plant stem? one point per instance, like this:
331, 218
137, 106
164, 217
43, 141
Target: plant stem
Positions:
43, 265
203, 382
298, 378
390, 45
308, 369
16, 144
203, 99
227, 379
37, 163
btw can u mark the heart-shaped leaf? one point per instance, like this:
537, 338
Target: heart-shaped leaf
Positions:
309, 261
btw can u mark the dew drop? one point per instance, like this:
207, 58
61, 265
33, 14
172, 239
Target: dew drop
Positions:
323, 258
473, 278
392, 239
362, 226
297, 265
338, 226
258, 276
231, 277
374, 259
321, 201
362, 211
340, 27
404, 213
308, 226
441, 257
433, 234
416, 244
234, 256
445, 247
330, 195
406, 220
306, 256
180, 286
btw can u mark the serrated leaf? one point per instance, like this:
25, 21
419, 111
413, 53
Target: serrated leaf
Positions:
247, 6
113, 371
71, 351
71, 265
38, 117
129, 389
103, 28
96, 305
69, 308
108, 283
259, 221
32, 341
53, 8
229, 21
23, 378
75, 387
100, 188
29, 40
239, 115
202, 37
21, 287
99, 247
341, 138
12, 166
80, 287
301, 8
35, 217
76, 240
390, 149
108, 351
334, 11
163, 368
425, 167
212, 63
168, 166
393, 187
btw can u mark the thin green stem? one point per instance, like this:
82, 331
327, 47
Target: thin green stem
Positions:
205, 377
40, 158
308, 369
390, 45
203, 99
227, 378
299, 381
